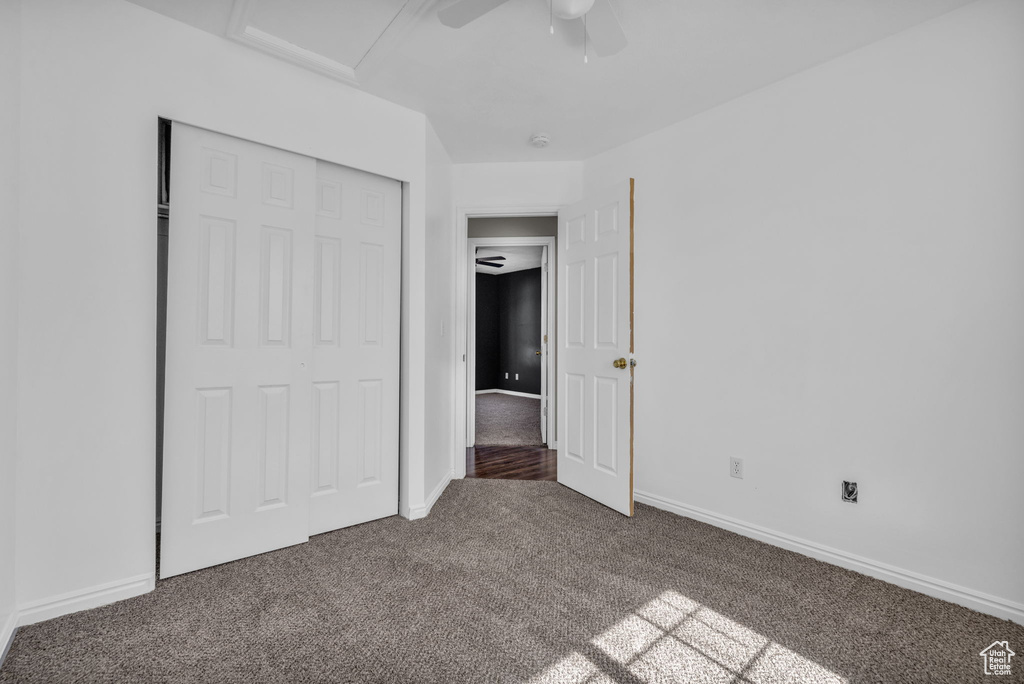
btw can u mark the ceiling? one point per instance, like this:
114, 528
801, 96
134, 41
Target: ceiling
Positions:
516, 259
489, 86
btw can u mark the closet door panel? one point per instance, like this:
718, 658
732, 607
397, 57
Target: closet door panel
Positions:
239, 347
356, 347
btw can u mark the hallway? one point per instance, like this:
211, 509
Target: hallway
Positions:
511, 463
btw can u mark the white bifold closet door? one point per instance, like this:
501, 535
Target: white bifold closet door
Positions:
356, 319
282, 365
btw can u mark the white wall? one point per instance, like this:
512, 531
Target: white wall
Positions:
518, 184
830, 286
10, 48
439, 449
95, 77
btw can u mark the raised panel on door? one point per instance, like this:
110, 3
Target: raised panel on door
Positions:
239, 345
595, 330
356, 348
213, 453
217, 281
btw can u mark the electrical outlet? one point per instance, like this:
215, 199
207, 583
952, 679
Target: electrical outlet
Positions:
736, 467
849, 491
517, 376
506, 376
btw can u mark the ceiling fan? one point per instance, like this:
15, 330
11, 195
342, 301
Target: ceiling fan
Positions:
601, 26
489, 261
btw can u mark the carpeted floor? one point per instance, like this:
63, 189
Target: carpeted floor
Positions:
507, 420
518, 582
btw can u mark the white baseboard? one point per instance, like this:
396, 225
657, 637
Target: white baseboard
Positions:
424, 510
514, 394
7, 631
83, 599
975, 600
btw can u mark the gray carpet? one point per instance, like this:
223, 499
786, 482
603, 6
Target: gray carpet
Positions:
507, 420
518, 582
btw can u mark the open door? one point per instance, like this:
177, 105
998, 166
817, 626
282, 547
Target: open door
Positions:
595, 347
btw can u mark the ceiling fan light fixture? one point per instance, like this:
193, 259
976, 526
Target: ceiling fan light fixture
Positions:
571, 9
540, 140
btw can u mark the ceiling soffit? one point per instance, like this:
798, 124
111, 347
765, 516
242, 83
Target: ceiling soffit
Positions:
379, 26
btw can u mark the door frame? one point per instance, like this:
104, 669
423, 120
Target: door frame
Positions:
547, 307
461, 332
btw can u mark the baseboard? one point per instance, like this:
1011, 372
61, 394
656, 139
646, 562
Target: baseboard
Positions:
424, 510
510, 392
84, 599
936, 588
7, 632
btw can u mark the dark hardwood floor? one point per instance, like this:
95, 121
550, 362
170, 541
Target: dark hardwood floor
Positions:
512, 462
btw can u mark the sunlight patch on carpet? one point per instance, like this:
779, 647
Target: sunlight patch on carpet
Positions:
674, 639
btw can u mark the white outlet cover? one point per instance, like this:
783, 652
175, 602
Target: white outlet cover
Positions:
736, 467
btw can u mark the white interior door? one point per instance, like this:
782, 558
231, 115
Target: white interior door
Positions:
356, 323
595, 343
238, 390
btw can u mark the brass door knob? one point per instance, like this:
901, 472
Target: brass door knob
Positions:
620, 363
537, 353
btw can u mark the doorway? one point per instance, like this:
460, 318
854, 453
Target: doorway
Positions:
510, 332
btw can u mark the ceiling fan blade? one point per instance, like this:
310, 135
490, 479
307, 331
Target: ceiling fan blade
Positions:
488, 263
604, 30
495, 258
462, 12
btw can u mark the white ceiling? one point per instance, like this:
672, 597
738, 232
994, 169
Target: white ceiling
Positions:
343, 31
490, 85
516, 259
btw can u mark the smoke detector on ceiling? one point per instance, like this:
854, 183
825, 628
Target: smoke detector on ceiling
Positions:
540, 140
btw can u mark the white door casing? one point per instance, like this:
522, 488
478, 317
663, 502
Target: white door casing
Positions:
595, 330
542, 345
356, 323
236, 441
549, 394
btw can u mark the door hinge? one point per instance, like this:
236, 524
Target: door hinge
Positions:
545, 339
545, 411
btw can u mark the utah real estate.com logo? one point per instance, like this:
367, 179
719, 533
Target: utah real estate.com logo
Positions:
997, 658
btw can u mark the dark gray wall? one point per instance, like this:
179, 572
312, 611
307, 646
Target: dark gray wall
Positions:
513, 226
508, 329
488, 332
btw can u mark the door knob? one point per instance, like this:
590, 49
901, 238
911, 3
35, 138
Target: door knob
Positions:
619, 363
537, 353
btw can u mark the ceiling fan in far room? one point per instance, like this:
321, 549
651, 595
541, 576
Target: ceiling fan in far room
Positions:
600, 24
490, 261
